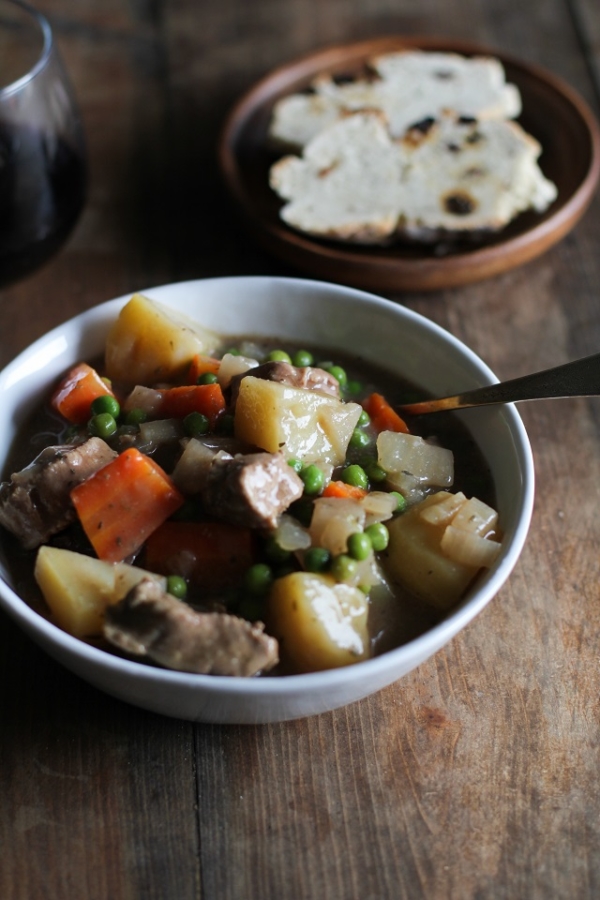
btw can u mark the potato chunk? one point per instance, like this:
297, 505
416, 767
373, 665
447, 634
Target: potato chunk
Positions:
149, 343
319, 624
78, 588
304, 424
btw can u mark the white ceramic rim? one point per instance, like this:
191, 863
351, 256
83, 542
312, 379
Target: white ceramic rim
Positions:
372, 670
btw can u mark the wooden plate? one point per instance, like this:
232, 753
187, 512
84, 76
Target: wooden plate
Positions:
552, 112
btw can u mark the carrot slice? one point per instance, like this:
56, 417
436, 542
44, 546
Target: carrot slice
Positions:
343, 490
212, 555
76, 392
200, 365
383, 417
123, 503
207, 399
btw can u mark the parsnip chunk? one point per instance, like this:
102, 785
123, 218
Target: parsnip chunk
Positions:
78, 588
304, 424
149, 343
319, 624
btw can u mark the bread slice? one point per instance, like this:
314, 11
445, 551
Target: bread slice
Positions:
447, 178
348, 183
464, 176
408, 86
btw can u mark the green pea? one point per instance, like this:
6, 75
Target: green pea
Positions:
258, 579
275, 553
374, 472
177, 587
340, 374
279, 356
313, 478
363, 419
136, 416
233, 351
359, 439
354, 387
103, 426
400, 502
302, 358
359, 545
106, 403
356, 476
316, 559
207, 378
343, 567
379, 535
195, 424
296, 465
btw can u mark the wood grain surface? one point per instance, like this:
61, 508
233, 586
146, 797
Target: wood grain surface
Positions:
475, 777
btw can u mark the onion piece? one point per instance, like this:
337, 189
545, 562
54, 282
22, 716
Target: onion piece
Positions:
476, 517
145, 398
334, 519
430, 464
442, 507
189, 474
379, 506
160, 431
234, 364
290, 535
469, 549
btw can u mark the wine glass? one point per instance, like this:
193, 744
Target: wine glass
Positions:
42, 154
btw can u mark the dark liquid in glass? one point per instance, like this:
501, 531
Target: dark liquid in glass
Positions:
42, 190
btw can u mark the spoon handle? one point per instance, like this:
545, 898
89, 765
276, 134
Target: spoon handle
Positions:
580, 378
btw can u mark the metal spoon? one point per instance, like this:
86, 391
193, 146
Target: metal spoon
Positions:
580, 378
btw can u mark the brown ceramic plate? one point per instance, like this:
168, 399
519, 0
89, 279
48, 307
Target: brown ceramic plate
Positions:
552, 112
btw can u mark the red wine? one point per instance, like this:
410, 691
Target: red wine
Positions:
42, 190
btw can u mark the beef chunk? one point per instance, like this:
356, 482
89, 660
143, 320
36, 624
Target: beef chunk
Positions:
36, 503
148, 622
309, 378
250, 490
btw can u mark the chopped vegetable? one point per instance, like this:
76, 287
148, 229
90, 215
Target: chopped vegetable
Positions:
149, 343
179, 402
343, 490
469, 548
412, 463
383, 416
304, 424
123, 503
211, 555
77, 391
333, 521
200, 365
320, 624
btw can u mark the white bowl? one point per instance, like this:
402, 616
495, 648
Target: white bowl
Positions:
304, 311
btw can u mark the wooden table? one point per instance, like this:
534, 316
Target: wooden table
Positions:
477, 775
